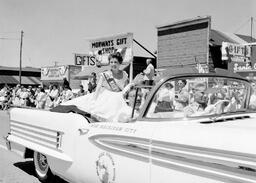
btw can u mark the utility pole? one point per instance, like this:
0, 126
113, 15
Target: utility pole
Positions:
251, 27
56, 63
21, 40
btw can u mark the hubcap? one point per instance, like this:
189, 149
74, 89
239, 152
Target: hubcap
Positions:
42, 161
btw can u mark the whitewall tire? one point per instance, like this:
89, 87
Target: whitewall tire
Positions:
42, 168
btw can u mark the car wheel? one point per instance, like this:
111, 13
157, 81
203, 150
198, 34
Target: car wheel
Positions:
42, 168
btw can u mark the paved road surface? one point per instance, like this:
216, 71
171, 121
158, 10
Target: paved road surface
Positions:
14, 169
4, 125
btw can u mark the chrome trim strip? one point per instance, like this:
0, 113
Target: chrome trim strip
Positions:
14, 131
121, 137
34, 126
35, 134
204, 172
131, 147
207, 151
33, 131
127, 146
33, 141
206, 162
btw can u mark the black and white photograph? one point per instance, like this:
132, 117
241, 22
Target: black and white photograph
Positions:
127, 91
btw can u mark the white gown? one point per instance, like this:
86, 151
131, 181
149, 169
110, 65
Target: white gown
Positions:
109, 106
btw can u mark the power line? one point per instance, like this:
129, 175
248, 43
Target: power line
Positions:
9, 32
4, 38
239, 28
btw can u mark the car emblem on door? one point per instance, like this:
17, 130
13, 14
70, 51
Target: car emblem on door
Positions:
105, 168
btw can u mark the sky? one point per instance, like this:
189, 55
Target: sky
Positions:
56, 29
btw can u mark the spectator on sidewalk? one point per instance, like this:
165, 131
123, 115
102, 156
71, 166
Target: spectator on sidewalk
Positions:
149, 73
24, 96
92, 83
52, 96
67, 94
81, 91
66, 83
41, 99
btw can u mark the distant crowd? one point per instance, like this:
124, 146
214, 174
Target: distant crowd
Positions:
46, 97
40, 97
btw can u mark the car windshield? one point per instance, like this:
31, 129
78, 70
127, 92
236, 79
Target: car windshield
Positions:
200, 96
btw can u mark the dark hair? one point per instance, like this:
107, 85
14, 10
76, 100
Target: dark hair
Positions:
117, 56
66, 87
168, 85
184, 81
149, 60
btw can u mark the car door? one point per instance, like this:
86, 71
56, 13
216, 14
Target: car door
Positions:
175, 157
114, 152
183, 147
170, 158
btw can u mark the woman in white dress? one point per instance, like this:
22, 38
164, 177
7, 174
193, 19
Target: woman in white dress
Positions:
107, 102
114, 79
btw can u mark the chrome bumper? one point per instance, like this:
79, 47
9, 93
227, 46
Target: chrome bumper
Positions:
7, 142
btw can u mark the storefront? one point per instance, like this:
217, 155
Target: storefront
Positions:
247, 70
240, 59
192, 43
97, 59
56, 74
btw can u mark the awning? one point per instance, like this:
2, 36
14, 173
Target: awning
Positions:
52, 81
8, 80
26, 80
86, 73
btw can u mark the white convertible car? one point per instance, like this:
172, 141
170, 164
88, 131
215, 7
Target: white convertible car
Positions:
190, 127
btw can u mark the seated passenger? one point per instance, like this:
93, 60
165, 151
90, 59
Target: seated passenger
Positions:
198, 100
182, 96
165, 99
218, 98
252, 104
219, 91
236, 98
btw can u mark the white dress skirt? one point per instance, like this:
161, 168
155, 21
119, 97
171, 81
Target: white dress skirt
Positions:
109, 106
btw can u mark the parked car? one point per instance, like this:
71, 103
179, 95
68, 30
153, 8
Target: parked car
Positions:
190, 127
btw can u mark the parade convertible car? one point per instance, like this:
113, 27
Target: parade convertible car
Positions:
191, 128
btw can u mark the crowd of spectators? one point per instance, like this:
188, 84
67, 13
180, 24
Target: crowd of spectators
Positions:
40, 97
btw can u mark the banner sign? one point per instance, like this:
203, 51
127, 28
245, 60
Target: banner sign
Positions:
244, 67
54, 73
101, 48
85, 59
236, 52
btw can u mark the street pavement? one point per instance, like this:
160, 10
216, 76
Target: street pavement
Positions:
4, 125
13, 168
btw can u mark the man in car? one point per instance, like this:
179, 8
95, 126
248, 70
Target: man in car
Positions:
182, 96
149, 73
